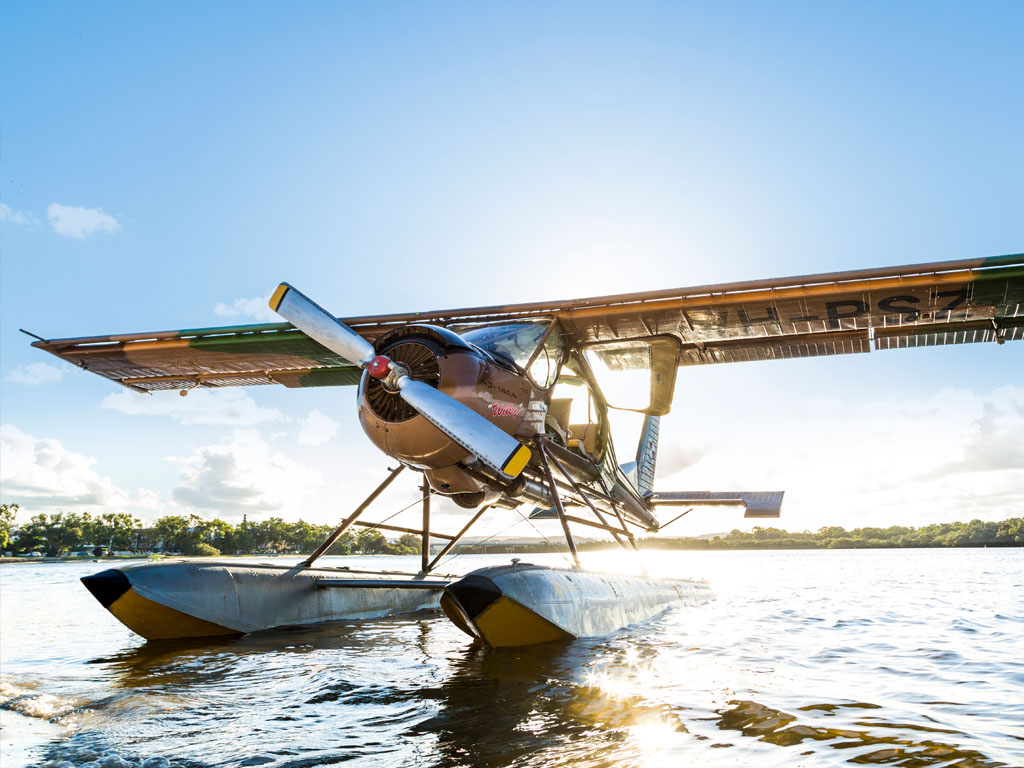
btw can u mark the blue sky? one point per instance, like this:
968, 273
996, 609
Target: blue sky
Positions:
166, 165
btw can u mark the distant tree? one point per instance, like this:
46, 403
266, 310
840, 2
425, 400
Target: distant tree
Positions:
204, 549
1011, 531
868, 533
113, 530
343, 546
219, 534
843, 542
8, 515
56, 533
370, 541
245, 536
172, 531
407, 544
305, 537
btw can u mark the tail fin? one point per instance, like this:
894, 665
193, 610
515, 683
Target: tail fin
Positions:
647, 454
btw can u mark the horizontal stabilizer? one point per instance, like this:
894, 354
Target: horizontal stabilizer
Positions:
755, 503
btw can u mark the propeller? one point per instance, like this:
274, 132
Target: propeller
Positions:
495, 447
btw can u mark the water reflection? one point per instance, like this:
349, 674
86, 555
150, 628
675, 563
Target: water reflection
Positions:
577, 703
775, 727
529, 707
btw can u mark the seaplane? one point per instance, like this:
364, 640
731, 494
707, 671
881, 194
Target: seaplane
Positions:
507, 407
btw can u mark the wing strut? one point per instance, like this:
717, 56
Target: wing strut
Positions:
456, 538
351, 519
582, 493
558, 502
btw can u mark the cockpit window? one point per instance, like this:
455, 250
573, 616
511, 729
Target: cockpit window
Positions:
636, 375
548, 360
623, 372
516, 342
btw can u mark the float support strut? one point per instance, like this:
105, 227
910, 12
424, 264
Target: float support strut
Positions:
558, 502
455, 539
348, 521
617, 534
425, 536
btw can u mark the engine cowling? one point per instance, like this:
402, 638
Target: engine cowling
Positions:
442, 359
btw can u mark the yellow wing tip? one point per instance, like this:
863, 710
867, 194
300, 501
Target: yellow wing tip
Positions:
278, 297
517, 461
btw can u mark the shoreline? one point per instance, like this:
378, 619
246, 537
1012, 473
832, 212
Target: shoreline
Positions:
583, 548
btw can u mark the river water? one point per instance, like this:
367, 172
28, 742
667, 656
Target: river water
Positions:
856, 657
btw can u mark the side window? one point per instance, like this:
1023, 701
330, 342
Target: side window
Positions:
636, 375
547, 362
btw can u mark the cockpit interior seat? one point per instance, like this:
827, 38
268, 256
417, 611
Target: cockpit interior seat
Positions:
557, 419
583, 437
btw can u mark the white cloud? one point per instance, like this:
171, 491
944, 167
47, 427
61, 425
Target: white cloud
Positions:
254, 309
35, 373
17, 218
952, 455
317, 428
243, 475
78, 222
995, 440
232, 407
42, 475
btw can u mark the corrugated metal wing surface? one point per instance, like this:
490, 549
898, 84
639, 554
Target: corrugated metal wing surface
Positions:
832, 314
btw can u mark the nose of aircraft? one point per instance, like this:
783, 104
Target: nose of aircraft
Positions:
107, 586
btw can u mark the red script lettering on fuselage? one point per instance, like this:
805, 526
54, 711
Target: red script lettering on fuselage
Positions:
505, 409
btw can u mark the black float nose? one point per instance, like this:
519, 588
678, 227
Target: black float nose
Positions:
465, 599
107, 586
473, 594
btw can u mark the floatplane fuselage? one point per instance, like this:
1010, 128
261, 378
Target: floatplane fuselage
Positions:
500, 407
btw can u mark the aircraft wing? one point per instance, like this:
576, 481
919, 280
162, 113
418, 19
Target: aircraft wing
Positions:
953, 302
845, 312
273, 353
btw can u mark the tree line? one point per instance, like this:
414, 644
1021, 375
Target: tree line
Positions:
62, 532
976, 533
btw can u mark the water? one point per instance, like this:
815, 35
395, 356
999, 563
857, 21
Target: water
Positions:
900, 657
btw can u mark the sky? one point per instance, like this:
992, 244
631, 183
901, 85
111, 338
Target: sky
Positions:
164, 166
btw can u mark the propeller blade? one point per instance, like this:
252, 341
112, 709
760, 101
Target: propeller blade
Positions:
319, 324
493, 445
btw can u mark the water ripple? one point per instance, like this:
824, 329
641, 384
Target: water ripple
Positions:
806, 658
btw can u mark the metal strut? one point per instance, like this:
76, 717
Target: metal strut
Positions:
425, 536
455, 539
348, 521
558, 502
581, 492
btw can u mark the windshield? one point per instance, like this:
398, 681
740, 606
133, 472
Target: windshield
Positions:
516, 342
